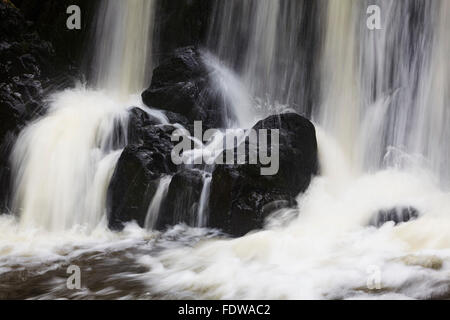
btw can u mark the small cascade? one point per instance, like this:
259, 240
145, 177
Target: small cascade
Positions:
155, 205
273, 45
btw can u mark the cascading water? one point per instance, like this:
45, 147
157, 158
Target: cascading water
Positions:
379, 99
382, 105
203, 202
379, 89
123, 45
155, 205
385, 92
63, 163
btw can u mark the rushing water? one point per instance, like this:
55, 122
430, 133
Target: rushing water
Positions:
379, 99
123, 45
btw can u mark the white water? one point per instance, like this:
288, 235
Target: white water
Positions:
157, 201
63, 162
382, 143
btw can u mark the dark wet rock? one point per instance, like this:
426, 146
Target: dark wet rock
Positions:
177, 118
182, 84
182, 24
182, 201
396, 215
241, 197
24, 58
50, 17
143, 162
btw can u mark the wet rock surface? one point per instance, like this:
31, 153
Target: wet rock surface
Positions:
182, 202
182, 85
240, 195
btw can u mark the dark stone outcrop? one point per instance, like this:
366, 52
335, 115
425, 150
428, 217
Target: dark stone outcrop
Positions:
182, 84
143, 162
38, 55
182, 201
396, 215
241, 196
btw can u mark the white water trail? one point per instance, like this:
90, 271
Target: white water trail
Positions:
202, 212
339, 113
155, 205
62, 162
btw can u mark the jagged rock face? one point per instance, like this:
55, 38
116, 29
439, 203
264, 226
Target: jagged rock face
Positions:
240, 195
182, 85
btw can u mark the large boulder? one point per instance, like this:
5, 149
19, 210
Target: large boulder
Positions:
183, 84
143, 162
242, 198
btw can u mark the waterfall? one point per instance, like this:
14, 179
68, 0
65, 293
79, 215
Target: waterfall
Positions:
379, 100
231, 89
339, 110
123, 45
202, 213
63, 163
